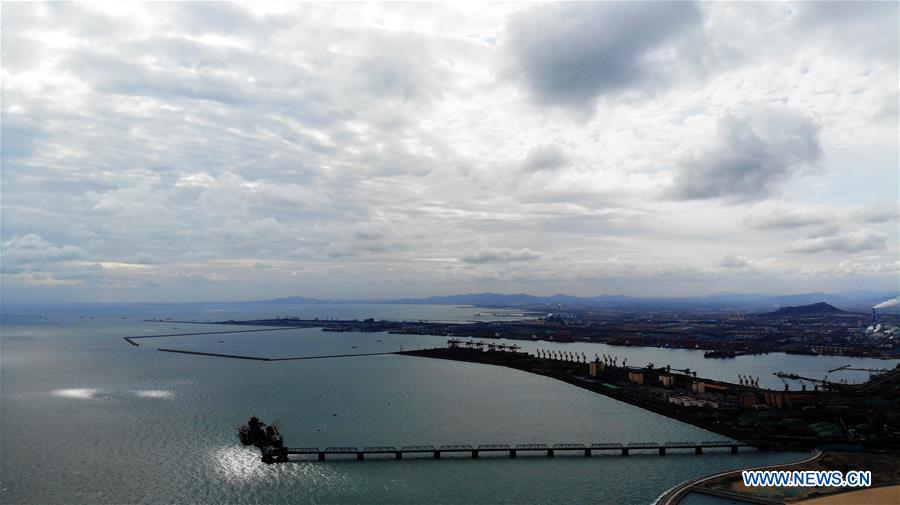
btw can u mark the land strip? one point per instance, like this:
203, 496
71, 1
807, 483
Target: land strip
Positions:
722, 335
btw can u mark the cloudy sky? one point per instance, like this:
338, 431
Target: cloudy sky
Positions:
202, 151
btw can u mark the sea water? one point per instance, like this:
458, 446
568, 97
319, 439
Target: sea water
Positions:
87, 418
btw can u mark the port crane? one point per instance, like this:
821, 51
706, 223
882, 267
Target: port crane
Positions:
685, 371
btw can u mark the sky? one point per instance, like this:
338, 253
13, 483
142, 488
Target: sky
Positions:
213, 151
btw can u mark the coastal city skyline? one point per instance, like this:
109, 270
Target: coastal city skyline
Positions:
188, 151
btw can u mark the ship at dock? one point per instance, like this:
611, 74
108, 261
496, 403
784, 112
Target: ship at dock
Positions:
720, 354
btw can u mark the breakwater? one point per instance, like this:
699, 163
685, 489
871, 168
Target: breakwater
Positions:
131, 340
261, 358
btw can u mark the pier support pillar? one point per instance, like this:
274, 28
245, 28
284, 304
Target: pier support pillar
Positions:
734, 449
474, 454
698, 450
512, 453
587, 453
398, 455
359, 456
624, 451
321, 456
550, 453
437, 454
662, 451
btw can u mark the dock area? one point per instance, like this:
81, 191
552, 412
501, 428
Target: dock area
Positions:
766, 418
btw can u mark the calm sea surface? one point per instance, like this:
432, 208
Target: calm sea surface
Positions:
87, 418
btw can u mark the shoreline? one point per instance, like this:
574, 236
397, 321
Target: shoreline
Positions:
885, 488
623, 334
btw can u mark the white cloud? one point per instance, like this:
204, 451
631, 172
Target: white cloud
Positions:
162, 151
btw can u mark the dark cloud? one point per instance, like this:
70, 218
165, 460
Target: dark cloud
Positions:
142, 258
750, 157
31, 250
399, 67
736, 261
19, 137
884, 212
570, 53
867, 28
367, 235
215, 17
545, 157
853, 242
115, 75
740, 264
790, 219
500, 255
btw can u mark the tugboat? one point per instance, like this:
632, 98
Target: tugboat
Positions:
267, 438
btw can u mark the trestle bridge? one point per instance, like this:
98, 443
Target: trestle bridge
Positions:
280, 454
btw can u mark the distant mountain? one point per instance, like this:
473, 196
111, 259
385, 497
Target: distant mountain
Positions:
477, 299
855, 301
850, 300
294, 300
813, 309
752, 302
517, 299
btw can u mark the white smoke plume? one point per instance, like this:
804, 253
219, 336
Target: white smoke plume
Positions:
888, 303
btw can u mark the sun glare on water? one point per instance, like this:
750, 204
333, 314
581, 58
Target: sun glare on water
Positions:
89, 393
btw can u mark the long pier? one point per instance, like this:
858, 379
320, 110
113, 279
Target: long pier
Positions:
511, 451
270, 443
